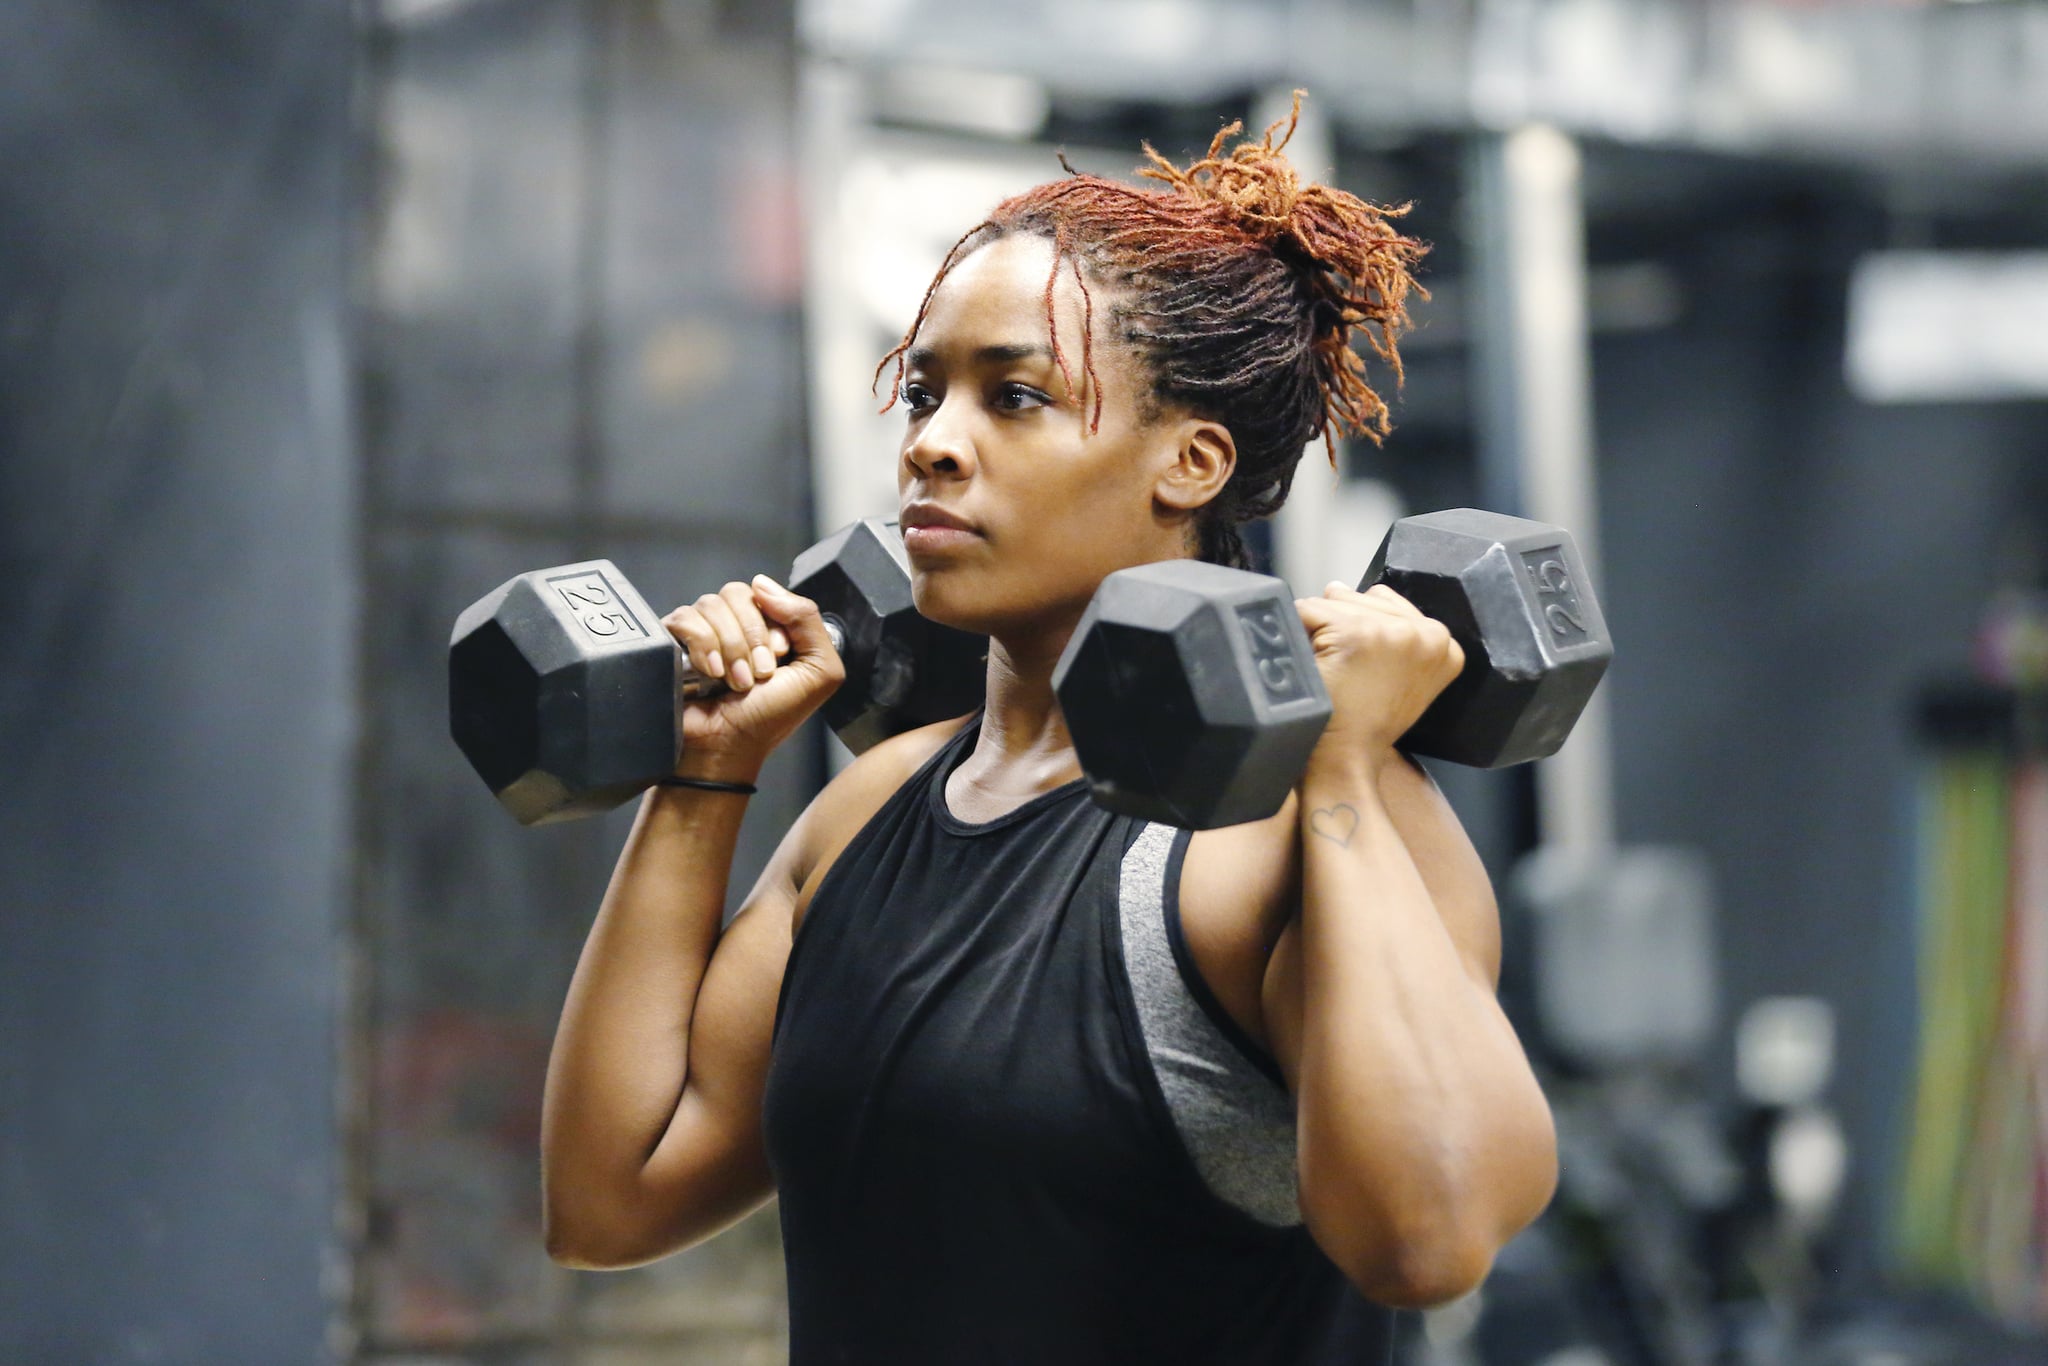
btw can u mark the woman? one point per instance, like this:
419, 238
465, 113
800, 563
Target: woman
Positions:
1035, 1082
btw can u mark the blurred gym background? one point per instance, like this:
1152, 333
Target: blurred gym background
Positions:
318, 319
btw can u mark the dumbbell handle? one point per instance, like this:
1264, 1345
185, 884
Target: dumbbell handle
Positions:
692, 686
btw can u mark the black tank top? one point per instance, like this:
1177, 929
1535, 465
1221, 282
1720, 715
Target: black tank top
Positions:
975, 1161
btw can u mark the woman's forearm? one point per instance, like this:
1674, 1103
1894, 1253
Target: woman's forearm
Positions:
1425, 1141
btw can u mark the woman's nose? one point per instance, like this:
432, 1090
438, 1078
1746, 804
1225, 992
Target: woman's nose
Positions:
941, 447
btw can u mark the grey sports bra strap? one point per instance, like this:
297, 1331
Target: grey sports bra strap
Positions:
1236, 1123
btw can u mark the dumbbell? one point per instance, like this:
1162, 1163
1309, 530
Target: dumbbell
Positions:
565, 691
1192, 695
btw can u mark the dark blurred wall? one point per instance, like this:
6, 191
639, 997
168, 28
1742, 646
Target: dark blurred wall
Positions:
1786, 569
579, 337
176, 679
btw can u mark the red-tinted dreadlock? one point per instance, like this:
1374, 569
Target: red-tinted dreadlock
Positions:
1240, 287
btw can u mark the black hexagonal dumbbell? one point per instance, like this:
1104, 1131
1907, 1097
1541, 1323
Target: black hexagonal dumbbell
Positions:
902, 670
1192, 695
564, 689
1518, 601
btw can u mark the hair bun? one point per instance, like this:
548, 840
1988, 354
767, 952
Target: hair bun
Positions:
1358, 265
1253, 183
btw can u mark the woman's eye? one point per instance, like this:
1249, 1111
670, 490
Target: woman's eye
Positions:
916, 397
1017, 397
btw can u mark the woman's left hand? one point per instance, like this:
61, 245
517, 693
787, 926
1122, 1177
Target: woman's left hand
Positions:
1382, 661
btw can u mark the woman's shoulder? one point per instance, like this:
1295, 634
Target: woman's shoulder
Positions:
852, 798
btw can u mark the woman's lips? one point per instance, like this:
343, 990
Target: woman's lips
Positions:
934, 536
929, 527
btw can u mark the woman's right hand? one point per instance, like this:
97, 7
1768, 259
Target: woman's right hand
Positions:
769, 647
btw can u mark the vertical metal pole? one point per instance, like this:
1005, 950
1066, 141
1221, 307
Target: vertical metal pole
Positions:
1330, 523
596, 116
840, 336
1532, 351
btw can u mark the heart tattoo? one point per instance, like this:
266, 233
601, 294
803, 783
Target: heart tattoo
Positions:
1337, 824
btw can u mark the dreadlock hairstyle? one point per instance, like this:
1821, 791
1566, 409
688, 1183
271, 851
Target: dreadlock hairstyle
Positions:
1240, 288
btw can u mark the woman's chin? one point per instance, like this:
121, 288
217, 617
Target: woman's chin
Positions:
946, 612
950, 601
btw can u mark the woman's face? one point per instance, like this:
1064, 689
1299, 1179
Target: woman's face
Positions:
1012, 510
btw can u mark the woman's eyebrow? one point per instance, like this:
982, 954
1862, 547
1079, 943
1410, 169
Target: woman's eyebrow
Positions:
1001, 353
1011, 353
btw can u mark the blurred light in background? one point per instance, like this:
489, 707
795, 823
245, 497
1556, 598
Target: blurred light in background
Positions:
1868, 79
1928, 326
995, 104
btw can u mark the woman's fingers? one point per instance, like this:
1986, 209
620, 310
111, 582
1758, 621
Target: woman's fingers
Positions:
699, 641
1337, 599
753, 628
732, 642
796, 615
1379, 596
1345, 608
745, 631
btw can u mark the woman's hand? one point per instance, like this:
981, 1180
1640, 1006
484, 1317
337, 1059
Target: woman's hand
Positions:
769, 647
1382, 661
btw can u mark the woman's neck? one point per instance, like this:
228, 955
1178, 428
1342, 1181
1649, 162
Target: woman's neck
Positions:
1022, 716
1023, 748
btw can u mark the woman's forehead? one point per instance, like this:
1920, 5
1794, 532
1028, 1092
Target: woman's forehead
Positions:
995, 295
990, 311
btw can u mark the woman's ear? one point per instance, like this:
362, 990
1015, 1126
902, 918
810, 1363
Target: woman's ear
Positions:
1204, 457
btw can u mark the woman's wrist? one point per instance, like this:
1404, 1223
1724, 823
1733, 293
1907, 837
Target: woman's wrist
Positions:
722, 770
1347, 765
708, 785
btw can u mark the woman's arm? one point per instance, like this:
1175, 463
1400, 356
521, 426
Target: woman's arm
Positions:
1425, 1141
650, 1128
650, 1132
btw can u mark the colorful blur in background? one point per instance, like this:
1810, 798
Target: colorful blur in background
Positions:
318, 319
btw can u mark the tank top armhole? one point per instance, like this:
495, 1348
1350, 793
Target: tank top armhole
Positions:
1227, 1126
1191, 972
1151, 1089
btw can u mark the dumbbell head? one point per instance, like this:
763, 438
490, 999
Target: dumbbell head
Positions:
564, 687
1191, 694
1517, 599
561, 691
902, 670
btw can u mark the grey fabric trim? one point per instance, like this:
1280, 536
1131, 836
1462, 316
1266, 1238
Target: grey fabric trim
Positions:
1237, 1125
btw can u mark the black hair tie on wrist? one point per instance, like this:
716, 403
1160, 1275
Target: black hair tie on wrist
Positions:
706, 784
